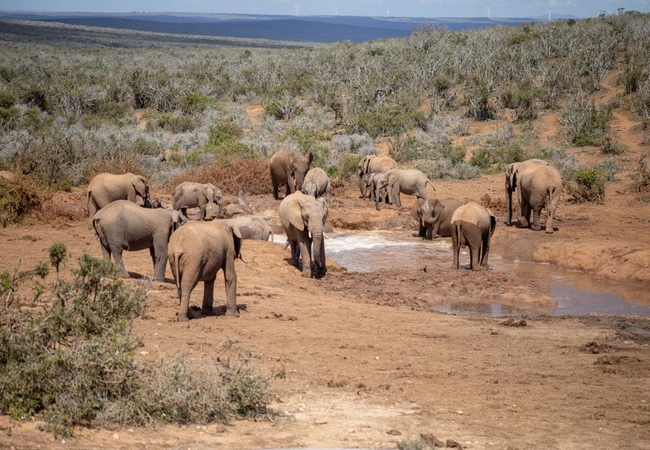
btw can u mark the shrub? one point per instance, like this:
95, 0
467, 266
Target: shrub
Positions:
71, 360
348, 167
230, 175
611, 147
586, 124
282, 106
18, 197
176, 124
445, 169
588, 186
479, 104
641, 178
631, 79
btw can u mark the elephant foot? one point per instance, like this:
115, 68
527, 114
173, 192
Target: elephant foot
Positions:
232, 312
207, 312
535, 227
523, 222
183, 318
306, 274
551, 231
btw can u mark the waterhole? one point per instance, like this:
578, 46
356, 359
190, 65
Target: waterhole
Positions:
575, 292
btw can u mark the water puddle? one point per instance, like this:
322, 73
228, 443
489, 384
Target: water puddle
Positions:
575, 292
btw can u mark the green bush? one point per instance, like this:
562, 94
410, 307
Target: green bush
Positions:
479, 104
348, 167
18, 197
176, 124
7, 100
588, 186
444, 169
631, 79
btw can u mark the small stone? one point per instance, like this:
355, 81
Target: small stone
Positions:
394, 432
116, 436
453, 444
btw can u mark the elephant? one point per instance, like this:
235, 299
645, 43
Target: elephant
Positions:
289, 167
407, 181
197, 251
303, 218
123, 225
172, 154
434, 216
372, 181
251, 227
373, 164
539, 186
235, 206
105, 188
472, 225
192, 195
317, 183
9, 176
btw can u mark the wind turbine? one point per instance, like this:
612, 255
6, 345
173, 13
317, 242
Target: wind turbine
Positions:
387, 12
297, 7
336, 11
549, 11
489, 11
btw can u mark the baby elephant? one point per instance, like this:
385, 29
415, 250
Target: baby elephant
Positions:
196, 253
251, 227
434, 216
193, 195
317, 183
472, 225
123, 225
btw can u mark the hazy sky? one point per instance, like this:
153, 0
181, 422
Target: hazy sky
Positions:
395, 8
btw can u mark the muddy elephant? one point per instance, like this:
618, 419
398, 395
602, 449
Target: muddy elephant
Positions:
373, 164
197, 251
235, 206
403, 181
251, 227
172, 154
539, 186
472, 226
123, 225
317, 183
434, 216
289, 167
303, 218
105, 188
196, 195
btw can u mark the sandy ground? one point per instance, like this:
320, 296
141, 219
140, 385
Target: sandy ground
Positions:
366, 363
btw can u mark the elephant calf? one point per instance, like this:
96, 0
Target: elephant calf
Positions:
105, 188
196, 253
251, 227
123, 225
196, 195
317, 183
472, 225
403, 181
434, 216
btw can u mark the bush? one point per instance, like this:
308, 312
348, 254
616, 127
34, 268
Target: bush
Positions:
348, 167
445, 169
588, 186
18, 197
479, 104
230, 175
176, 124
71, 359
641, 178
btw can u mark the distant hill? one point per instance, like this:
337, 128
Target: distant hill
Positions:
312, 29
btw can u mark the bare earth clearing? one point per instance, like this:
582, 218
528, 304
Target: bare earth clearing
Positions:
365, 363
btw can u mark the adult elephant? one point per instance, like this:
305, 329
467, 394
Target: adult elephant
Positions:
105, 188
402, 181
373, 164
539, 186
196, 195
251, 227
317, 183
289, 167
197, 251
123, 225
434, 216
303, 218
472, 225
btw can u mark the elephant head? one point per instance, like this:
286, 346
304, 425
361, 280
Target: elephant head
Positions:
213, 194
427, 212
299, 166
511, 185
141, 188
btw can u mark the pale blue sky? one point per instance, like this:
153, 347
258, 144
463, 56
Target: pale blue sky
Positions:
373, 8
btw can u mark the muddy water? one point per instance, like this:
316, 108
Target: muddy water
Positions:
575, 292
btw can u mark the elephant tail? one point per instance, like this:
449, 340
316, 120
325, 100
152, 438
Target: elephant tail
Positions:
176, 274
97, 225
431, 184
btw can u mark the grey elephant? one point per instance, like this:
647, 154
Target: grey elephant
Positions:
193, 195
289, 167
197, 251
105, 188
402, 181
317, 183
373, 164
472, 225
371, 185
235, 206
251, 227
539, 186
123, 225
303, 218
434, 216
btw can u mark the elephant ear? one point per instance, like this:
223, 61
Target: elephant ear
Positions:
237, 239
511, 176
438, 207
294, 214
141, 186
323, 203
310, 158
493, 220
417, 207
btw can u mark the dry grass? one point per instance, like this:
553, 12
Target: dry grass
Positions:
251, 175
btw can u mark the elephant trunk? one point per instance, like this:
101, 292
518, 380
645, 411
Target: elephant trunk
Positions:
319, 257
300, 178
508, 205
362, 186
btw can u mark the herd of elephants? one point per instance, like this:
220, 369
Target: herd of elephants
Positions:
125, 217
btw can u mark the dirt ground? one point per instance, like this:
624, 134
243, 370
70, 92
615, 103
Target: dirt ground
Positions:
361, 361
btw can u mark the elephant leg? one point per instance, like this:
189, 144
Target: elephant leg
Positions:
433, 230
159, 257
396, 197
119, 263
485, 250
187, 286
106, 251
294, 253
275, 187
322, 265
208, 297
525, 214
549, 222
455, 245
305, 252
230, 276
537, 212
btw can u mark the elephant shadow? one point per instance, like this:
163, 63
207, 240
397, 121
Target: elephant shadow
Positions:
198, 313
517, 224
313, 267
139, 276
